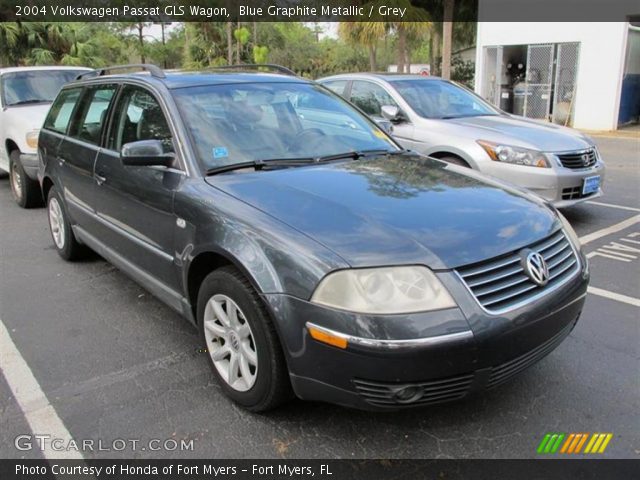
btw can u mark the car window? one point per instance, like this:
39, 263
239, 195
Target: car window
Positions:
138, 116
370, 97
92, 113
61, 110
336, 86
34, 86
235, 123
440, 99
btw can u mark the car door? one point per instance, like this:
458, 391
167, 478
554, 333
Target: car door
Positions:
77, 152
135, 203
371, 97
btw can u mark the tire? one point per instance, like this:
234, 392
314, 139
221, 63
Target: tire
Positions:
258, 378
62, 235
26, 192
455, 160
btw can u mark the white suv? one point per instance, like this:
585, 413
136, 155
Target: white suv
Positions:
26, 94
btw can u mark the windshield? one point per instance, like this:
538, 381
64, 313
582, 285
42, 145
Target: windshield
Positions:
34, 86
238, 123
438, 99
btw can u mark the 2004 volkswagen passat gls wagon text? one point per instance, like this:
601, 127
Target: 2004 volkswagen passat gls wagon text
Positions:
316, 257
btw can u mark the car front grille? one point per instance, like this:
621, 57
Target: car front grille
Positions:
574, 193
501, 284
576, 160
507, 370
424, 393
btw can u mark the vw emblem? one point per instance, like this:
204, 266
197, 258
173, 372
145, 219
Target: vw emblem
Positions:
536, 268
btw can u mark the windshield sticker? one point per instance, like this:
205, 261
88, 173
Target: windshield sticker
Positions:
220, 152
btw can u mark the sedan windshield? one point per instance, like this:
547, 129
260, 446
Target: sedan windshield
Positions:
34, 86
255, 122
441, 100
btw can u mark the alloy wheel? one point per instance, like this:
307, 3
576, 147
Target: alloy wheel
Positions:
230, 342
56, 222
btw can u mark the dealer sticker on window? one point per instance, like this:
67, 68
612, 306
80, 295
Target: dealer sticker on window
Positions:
591, 185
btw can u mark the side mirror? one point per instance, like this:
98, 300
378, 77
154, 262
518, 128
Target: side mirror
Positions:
145, 153
392, 113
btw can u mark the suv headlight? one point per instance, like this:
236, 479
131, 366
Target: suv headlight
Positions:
514, 155
32, 138
387, 290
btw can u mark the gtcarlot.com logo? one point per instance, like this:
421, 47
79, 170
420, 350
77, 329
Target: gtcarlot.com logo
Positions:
574, 443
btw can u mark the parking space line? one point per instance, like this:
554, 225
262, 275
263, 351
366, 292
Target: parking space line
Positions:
614, 296
621, 207
35, 406
609, 230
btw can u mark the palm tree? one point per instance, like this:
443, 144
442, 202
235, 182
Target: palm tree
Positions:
363, 33
447, 38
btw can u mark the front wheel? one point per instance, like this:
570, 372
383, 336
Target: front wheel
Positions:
243, 348
26, 192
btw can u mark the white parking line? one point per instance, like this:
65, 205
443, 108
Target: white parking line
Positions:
35, 406
614, 296
609, 230
621, 207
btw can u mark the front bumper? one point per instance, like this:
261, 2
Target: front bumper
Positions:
420, 359
29, 163
559, 185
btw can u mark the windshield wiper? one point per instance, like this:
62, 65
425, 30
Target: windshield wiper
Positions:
262, 164
356, 154
33, 100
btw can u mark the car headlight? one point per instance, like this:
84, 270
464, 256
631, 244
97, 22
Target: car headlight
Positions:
387, 290
514, 155
568, 230
32, 138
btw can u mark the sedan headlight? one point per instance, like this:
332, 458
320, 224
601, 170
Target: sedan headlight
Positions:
32, 138
387, 290
514, 155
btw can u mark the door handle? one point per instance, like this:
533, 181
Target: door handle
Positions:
99, 179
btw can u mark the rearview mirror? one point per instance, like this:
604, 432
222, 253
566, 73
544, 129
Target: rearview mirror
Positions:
145, 153
392, 113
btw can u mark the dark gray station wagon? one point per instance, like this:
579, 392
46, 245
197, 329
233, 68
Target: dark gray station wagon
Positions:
315, 255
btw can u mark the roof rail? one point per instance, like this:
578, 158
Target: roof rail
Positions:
256, 66
154, 70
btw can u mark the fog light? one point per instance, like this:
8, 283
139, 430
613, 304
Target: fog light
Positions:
408, 394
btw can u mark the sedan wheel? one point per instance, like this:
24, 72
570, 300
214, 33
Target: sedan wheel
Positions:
230, 343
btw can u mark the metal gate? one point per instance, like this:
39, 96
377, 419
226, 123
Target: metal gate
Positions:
537, 94
565, 83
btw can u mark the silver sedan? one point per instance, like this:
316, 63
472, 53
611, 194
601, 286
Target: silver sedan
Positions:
441, 119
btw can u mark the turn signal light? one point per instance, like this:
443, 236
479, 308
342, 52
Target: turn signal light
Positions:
327, 337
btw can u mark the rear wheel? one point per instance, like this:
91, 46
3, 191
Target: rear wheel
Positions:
243, 348
26, 192
63, 238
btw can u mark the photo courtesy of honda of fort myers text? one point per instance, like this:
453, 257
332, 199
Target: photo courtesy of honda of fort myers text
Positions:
298, 239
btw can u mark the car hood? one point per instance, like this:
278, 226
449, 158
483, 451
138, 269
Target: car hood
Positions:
398, 210
524, 132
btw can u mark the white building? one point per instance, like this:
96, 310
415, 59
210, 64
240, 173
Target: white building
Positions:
582, 74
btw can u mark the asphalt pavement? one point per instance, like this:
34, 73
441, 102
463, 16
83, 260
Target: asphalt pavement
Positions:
116, 364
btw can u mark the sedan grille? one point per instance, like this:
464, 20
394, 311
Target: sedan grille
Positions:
576, 160
422, 393
501, 284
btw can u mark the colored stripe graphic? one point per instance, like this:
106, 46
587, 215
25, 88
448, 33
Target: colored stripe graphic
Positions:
573, 443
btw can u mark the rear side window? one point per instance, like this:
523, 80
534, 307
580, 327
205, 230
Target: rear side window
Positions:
92, 114
337, 86
60, 113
